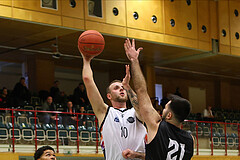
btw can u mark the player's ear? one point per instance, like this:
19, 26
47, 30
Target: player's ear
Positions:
169, 115
109, 96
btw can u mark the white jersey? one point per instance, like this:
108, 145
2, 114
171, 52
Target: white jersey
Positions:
121, 130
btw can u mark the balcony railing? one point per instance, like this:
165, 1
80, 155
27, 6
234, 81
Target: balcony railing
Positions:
58, 127
219, 134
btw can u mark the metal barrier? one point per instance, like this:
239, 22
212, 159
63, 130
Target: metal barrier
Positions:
57, 135
211, 128
57, 113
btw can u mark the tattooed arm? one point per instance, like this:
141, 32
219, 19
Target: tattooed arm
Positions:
131, 94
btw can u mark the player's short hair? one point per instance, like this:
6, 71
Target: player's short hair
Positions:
40, 151
116, 80
180, 107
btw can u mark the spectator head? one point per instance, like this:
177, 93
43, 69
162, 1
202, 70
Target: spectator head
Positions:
45, 153
81, 86
56, 83
49, 100
82, 109
4, 91
62, 94
69, 104
177, 109
209, 107
22, 80
156, 102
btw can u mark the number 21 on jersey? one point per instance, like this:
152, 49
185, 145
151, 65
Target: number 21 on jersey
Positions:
175, 149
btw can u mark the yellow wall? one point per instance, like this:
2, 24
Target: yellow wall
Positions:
215, 15
9, 156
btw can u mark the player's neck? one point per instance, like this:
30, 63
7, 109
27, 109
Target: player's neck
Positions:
177, 124
119, 105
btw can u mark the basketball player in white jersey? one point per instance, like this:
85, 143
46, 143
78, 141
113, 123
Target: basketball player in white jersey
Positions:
122, 133
166, 141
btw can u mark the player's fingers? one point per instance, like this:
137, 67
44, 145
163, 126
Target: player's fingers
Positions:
128, 43
124, 154
139, 49
133, 43
127, 70
125, 46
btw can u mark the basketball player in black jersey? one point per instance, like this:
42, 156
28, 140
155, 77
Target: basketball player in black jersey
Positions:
166, 141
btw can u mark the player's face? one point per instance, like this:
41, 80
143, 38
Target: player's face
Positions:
48, 155
166, 110
117, 92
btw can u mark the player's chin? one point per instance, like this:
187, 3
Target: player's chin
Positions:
122, 99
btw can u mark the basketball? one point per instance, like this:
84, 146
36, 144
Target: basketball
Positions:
91, 43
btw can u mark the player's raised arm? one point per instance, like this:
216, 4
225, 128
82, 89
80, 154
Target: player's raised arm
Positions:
131, 94
94, 96
148, 113
90, 44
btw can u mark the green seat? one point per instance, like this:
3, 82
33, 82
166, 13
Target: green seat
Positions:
216, 139
85, 136
51, 135
17, 134
27, 134
3, 134
236, 141
1, 119
94, 137
40, 134
206, 132
230, 141
62, 134
73, 136
22, 120
222, 141
32, 120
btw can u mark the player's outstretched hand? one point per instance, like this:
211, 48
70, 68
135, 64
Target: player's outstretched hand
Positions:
126, 79
87, 57
130, 50
128, 153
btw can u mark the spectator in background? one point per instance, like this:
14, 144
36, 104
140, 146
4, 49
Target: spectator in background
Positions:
55, 92
207, 114
21, 93
157, 106
80, 95
178, 92
47, 118
70, 119
82, 117
63, 100
164, 100
4, 98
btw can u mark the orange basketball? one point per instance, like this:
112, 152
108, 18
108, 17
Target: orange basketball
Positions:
91, 43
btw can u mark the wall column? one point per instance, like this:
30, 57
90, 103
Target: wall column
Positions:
150, 76
41, 74
225, 95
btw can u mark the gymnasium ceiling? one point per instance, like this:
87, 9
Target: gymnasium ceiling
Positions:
21, 40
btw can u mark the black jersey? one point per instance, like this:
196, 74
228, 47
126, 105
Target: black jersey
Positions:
170, 143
